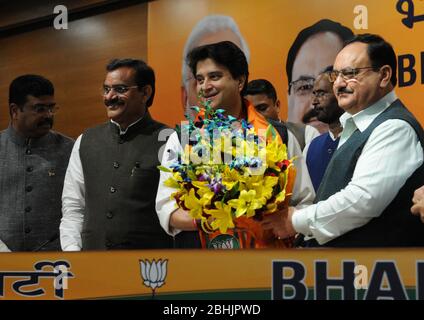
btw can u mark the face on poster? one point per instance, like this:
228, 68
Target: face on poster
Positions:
269, 30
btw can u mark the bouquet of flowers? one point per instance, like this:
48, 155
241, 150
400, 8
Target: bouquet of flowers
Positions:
228, 176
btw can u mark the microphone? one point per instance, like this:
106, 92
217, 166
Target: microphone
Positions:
45, 243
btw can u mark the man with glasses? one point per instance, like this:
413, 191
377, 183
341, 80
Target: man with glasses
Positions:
33, 161
365, 196
112, 178
319, 152
313, 50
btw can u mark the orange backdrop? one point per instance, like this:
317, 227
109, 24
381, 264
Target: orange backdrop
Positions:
269, 28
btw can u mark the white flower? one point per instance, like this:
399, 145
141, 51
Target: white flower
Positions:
153, 273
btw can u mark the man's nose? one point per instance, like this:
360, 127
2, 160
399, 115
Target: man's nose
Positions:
207, 84
339, 82
110, 95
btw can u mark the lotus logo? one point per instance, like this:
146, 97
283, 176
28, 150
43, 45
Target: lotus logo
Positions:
153, 273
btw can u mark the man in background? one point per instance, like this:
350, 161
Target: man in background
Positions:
33, 161
262, 94
319, 152
313, 50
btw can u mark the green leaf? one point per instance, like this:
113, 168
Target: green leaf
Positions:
164, 169
195, 108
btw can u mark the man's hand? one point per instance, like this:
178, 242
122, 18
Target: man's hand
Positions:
418, 201
280, 223
181, 219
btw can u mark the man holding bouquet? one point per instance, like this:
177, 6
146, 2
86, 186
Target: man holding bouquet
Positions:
221, 73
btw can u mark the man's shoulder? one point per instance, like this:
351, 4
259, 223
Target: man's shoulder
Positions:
60, 138
158, 126
96, 128
398, 112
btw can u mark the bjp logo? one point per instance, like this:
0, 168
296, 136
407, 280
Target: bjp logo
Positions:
153, 273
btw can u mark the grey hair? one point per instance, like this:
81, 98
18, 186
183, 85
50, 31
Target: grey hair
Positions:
210, 24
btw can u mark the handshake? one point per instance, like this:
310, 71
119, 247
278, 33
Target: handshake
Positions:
280, 223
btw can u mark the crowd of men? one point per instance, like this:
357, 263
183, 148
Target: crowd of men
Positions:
357, 182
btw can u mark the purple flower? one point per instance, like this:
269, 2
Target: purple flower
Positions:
203, 177
216, 186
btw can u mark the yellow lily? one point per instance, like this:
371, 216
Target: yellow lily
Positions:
196, 205
230, 177
246, 203
203, 190
223, 218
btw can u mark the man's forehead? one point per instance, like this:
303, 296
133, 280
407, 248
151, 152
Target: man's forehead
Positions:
41, 99
352, 56
322, 82
218, 36
260, 98
209, 65
123, 74
318, 52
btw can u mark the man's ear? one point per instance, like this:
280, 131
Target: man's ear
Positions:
386, 73
242, 80
147, 92
13, 110
277, 104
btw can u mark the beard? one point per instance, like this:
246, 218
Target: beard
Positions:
330, 114
309, 115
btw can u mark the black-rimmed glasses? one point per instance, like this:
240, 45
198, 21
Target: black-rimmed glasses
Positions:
44, 108
346, 74
119, 89
302, 86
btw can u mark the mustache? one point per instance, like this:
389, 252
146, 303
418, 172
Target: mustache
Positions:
48, 121
344, 90
309, 115
113, 102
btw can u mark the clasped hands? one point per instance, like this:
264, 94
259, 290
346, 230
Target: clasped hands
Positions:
280, 223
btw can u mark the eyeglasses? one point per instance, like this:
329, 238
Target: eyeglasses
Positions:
320, 94
119, 89
302, 86
346, 74
43, 108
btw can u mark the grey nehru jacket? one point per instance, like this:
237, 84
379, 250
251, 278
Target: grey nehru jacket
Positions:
32, 172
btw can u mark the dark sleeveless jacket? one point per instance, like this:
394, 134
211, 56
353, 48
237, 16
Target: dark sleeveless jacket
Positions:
31, 183
121, 181
396, 226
